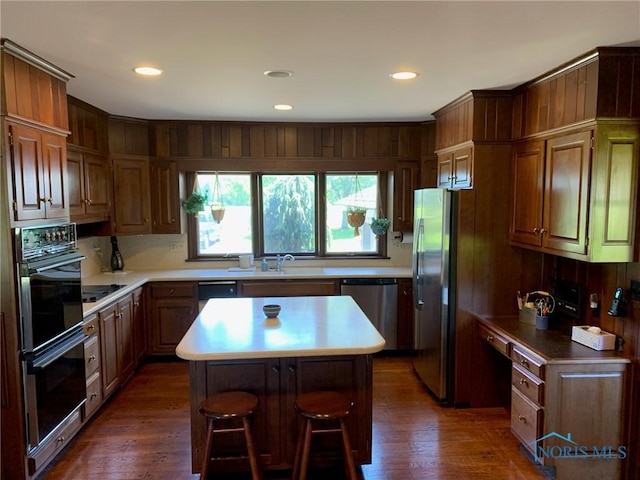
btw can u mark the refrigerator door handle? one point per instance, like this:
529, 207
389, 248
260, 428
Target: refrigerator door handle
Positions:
417, 280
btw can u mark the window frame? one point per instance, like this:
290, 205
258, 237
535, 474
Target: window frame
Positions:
320, 213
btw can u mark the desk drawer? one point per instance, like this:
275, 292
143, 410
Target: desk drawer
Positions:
526, 419
528, 362
529, 385
495, 340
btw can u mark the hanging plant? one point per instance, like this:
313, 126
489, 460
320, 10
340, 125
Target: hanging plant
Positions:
379, 226
194, 204
355, 217
217, 204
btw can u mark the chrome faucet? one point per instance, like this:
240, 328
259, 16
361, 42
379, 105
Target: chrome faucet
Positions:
280, 261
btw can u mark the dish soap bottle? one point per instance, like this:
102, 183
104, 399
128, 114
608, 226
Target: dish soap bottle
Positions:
117, 264
264, 266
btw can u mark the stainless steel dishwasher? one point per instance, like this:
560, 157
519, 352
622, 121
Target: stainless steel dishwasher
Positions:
378, 299
215, 289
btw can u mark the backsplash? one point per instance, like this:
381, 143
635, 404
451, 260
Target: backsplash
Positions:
165, 252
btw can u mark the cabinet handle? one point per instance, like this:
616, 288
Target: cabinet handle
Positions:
93, 395
61, 439
136, 304
118, 315
275, 369
91, 358
89, 202
42, 200
524, 363
489, 338
523, 381
522, 418
292, 369
91, 327
172, 291
543, 231
536, 231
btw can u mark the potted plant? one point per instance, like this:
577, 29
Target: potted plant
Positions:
355, 217
379, 226
217, 211
194, 204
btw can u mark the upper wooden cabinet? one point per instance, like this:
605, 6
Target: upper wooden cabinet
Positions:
455, 168
405, 181
89, 186
165, 197
38, 176
88, 126
600, 84
34, 90
131, 193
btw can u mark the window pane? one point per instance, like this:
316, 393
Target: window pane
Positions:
289, 213
345, 191
232, 235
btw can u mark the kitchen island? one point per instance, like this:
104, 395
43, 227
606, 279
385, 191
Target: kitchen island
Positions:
316, 343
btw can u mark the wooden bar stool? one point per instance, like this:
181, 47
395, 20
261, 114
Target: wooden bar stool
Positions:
318, 407
225, 406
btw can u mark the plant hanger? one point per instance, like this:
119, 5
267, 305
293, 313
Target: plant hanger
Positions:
357, 212
217, 203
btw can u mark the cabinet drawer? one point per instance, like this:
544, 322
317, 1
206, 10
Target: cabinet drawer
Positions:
528, 362
91, 355
173, 290
90, 325
529, 385
496, 341
94, 395
59, 439
526, 419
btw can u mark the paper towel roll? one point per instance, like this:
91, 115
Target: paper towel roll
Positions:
407, 238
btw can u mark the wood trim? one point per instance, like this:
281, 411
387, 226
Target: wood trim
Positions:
33, 59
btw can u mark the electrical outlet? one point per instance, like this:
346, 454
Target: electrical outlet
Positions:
635, 289
175, 246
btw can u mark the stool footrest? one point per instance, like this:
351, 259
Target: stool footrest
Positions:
228, 430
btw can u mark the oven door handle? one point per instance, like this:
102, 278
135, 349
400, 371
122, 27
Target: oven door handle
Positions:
60, 264
51, 355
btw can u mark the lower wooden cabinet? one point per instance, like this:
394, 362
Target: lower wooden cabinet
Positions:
288, 288
140, 334
405, 314
173, 306
116, 341
276, 382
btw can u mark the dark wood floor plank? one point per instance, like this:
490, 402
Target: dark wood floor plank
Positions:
143, 433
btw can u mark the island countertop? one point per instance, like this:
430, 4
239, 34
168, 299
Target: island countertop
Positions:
236, 328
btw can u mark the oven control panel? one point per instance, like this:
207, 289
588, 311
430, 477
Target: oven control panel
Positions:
52, 239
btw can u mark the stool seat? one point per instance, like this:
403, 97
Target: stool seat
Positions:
320, 407
227, 406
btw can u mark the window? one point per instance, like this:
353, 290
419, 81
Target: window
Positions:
305, 214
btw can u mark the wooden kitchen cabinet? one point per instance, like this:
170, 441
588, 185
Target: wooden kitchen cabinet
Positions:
116, 339
406, 176
287, 288
38, 177
570, 202
165, 197
276, 382
131, 191
91, 328
89, 186
140, 331
173, 306
405, 316
455, 168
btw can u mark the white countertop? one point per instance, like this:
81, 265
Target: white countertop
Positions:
134, 279
236, 328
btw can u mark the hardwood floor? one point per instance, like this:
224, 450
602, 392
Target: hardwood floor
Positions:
143, 434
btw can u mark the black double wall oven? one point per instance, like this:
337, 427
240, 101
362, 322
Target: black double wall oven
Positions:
52, 341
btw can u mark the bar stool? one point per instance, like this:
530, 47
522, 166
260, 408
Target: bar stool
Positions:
225, 406
318, 407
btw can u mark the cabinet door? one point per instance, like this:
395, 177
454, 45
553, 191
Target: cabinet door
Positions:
124, 323
445, 169
170, 320
109, 349
527, 174
165, 198
462, 160
26, 167
140, 336
131, 196
54, 160
566, 193
75, 182
405, 181
97, 182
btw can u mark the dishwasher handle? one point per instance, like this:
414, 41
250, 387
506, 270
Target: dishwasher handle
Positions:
369, 281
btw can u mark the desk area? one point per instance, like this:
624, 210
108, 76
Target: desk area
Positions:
316, 343
567, 400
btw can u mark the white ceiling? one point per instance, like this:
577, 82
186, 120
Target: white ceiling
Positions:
214, 53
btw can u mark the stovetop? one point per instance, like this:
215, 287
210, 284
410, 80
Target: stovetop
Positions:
93, 293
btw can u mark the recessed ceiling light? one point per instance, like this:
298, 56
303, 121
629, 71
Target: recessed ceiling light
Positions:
278, 73
403, 75
283, 107
149, 71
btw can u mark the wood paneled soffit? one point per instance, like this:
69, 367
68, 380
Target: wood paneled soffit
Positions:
224, 140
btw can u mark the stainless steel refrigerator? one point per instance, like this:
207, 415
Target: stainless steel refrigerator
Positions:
434, 282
